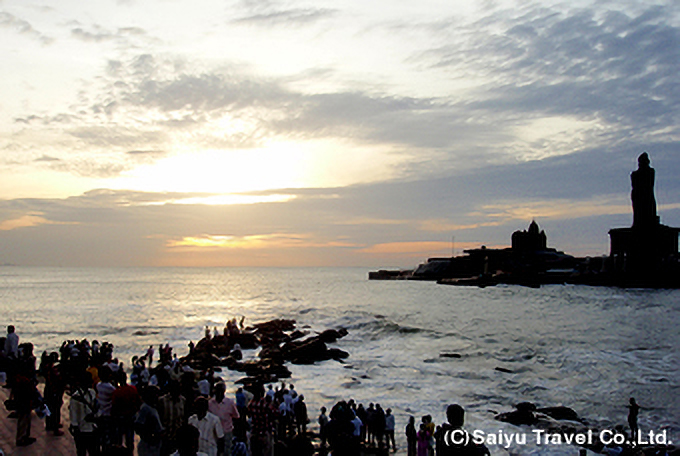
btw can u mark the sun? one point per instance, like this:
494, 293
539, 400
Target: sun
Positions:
278, 166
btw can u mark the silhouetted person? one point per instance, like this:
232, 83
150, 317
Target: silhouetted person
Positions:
633, 411
105, 425
25, 399
642, 195
171, 409
187, 439
301, 416
379, 425
411, 436
148, 424
323, 423
125, 403
389, 430
423, 440
54, 394
11, 343
82, 408
11, 353
452, 443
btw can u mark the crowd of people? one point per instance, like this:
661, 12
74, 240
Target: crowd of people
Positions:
349, 427
432, 440
174, 409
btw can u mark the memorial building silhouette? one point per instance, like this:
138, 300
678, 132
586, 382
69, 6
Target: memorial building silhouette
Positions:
645, 254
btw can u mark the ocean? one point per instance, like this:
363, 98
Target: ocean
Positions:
588, 348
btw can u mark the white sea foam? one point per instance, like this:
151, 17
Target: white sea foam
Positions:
583, 347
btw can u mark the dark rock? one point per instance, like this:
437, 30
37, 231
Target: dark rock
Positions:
331, 335
560, 413
247, 340
297, 334
524, 414
218, 350
337, 354
307, 351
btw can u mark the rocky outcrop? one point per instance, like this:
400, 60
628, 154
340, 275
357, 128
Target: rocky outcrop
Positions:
279, 342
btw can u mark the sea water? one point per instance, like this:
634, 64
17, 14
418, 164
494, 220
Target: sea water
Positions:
589, 348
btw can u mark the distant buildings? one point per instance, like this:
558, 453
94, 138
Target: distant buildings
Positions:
528, 258
644, 255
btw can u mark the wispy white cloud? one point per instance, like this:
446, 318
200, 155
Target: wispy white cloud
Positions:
10, 21
270, 13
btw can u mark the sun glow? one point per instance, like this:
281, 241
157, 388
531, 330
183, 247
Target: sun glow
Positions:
219, 171
275, 166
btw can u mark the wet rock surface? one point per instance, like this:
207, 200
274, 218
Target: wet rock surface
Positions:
279, 342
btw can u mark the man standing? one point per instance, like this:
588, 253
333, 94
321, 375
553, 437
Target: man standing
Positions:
148, 424
225, 409
171, 408
125, 403
389, 430
25, 397
455, 414
81, 410
105, 391
54, 394
633, 411
411, 436
209, 427
11, 343
261, 412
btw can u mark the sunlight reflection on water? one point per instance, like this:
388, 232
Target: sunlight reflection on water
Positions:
587, 348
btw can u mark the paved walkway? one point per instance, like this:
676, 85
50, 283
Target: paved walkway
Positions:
46, 443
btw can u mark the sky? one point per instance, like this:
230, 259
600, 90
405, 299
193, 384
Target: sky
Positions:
328, 133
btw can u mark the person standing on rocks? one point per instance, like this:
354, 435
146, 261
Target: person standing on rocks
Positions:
633, 411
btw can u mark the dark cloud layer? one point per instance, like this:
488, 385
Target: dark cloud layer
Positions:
612, 66
359, 216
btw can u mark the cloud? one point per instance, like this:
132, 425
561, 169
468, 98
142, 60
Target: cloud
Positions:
546, 82
24, 221
261, 241
590, 63
421, 249
47, 158
553, 95
574, 198
270, 13
291, 17
99, 34
22, 26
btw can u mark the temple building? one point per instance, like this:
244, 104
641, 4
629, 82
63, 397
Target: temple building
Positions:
529, 256
646, 254
529, 240
643, 255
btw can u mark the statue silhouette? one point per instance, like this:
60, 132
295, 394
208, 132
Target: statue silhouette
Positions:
642, 195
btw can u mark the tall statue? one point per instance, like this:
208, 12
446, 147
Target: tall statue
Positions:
644, 204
